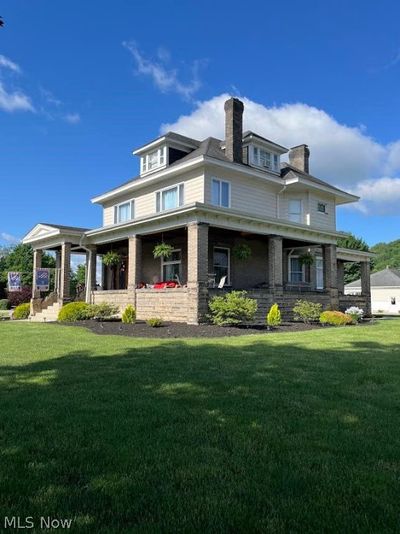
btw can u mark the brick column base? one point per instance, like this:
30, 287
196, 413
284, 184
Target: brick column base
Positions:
197, 272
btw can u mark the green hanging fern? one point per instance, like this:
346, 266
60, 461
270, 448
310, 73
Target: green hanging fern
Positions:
306, 259
242, 252
111, 259
163, 250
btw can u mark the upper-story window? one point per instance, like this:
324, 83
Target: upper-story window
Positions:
265, 159
124, 212
153, 160
220, 193
322, 207
295, 210
170, 198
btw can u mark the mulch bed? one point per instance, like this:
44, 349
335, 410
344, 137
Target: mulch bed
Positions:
181, 330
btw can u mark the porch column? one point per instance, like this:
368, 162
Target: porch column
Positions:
340, 277
57, 273
65, 274
275, 263
37, 263
90, 282
197, 272
134, 262
366, 285
330, 274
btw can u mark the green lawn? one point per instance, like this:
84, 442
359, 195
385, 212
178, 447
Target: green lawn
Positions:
269, 433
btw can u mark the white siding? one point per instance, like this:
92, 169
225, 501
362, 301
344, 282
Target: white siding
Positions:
326, 221
247, 194
145, 198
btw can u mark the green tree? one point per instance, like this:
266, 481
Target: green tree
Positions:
387, 255
352, 270
20, 258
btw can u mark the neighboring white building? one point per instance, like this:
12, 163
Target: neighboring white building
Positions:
385, 291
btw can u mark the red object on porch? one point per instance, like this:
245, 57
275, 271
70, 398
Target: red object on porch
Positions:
167, 284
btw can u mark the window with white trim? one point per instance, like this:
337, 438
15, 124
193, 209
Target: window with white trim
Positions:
171, 267
220, 193
265, 159
222, 264
154, 159
170, 198
296, 270
319, 268
322, 207
124, 212
295, 210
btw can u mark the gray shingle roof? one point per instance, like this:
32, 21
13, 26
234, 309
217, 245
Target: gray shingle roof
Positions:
387, 278
286, 169
63, 227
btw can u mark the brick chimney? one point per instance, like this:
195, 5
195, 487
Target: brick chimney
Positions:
299, 157
233, 129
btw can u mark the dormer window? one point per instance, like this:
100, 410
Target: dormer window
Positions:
264, 159
153, 160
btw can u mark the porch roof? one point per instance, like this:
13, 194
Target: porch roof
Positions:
45, 235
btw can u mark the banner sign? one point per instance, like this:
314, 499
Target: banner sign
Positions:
14, 281
42, 282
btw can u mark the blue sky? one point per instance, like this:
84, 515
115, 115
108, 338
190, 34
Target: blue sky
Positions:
83, 83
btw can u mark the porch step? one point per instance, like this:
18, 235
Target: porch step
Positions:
47, 315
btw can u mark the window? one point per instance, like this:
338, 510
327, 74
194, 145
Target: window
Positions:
296, 270
170, 198
221, 264
124, 212
321, 207
220, 193
295, 211
171, 267
393, 301
265, 159
319, 267
153, 159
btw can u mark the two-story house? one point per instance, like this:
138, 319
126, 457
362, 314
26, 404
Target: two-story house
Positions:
205, 199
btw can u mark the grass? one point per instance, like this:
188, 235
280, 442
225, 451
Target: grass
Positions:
269, 433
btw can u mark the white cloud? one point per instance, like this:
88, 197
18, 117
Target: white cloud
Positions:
72, 118
8, 238
380, 196
165, 79
8, 64
342, 155
14, 101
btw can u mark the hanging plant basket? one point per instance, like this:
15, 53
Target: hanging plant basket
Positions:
242, 252
162, 250
111, 259
306, 259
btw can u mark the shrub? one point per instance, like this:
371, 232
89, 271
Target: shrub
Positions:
19, 297
22, 311
129, 315
274, 316
335, 318
154, 322
102, 311
4, 315
74, 311
355, 313
4, 304
307, 311
232, 308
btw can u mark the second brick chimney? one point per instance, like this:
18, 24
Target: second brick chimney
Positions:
299, 157
233, 129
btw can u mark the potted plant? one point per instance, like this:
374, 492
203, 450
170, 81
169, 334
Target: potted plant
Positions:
162, 250
241, 252
111, 259
306, 259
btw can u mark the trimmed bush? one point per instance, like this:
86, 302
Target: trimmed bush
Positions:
274, 316
19, 297
154, 322
232, 308
102, 311
74, 311
129, 315
22, 311
307, 311
335, 318
4, 304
